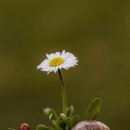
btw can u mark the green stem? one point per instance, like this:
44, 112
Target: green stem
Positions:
63, 92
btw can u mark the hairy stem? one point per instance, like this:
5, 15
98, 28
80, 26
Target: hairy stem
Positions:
64, 97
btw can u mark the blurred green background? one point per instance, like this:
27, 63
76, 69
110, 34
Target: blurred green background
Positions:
97, 32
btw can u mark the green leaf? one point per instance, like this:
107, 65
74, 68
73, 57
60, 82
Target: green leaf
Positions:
50, 113
43, 127
69, 122
93, 109
61, 121
70, 111
52, 116
75, 119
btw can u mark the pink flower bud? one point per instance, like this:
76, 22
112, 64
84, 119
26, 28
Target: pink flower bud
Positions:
24, 126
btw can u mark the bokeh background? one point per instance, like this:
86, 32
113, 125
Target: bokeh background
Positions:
97, 32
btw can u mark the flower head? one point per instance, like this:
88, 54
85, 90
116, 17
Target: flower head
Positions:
57, 61
24, 126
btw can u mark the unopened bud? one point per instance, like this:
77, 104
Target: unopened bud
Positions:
24, 126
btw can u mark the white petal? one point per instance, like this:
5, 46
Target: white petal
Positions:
57, 54
69, 61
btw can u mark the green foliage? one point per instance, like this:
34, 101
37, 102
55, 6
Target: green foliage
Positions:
93, 109
43, 127
66, 122
70, 111
60, 122
50, 113
75, 119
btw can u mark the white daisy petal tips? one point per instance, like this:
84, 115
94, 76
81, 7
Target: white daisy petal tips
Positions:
57, 61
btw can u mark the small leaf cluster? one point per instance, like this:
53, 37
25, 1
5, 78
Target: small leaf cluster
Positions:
60, 122
66, 122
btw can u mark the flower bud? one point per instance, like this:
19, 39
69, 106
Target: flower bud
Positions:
24, 126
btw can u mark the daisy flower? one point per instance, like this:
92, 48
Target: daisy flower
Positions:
57, 61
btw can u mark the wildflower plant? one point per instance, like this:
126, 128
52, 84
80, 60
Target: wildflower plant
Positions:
67, 119
55, 62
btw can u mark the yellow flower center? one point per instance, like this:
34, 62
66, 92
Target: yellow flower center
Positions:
56, 61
